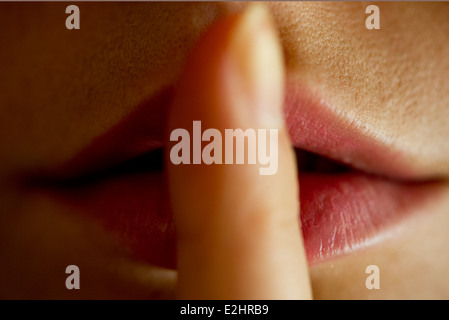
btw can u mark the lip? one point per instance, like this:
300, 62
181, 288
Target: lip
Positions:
342, 213
339, 212
317, 126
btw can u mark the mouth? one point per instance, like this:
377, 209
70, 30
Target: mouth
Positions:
355, 189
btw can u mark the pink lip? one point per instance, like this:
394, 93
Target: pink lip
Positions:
343, 212
315, 127
339, 213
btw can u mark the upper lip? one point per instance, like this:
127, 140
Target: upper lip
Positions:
140, 132
315, 125
312, 123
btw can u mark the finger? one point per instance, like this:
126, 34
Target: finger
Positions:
238, 229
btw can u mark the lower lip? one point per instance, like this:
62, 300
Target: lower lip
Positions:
339, 213
342, 213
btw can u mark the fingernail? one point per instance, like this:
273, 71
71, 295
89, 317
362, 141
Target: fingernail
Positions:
256, 77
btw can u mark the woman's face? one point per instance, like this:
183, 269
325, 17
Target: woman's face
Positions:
65, 90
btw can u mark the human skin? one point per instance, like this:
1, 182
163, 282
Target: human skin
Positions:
62, 88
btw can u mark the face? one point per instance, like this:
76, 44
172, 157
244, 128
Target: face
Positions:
73, 100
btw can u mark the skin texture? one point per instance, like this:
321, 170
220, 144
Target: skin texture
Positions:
62, 88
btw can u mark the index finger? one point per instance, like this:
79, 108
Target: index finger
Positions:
238, 230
